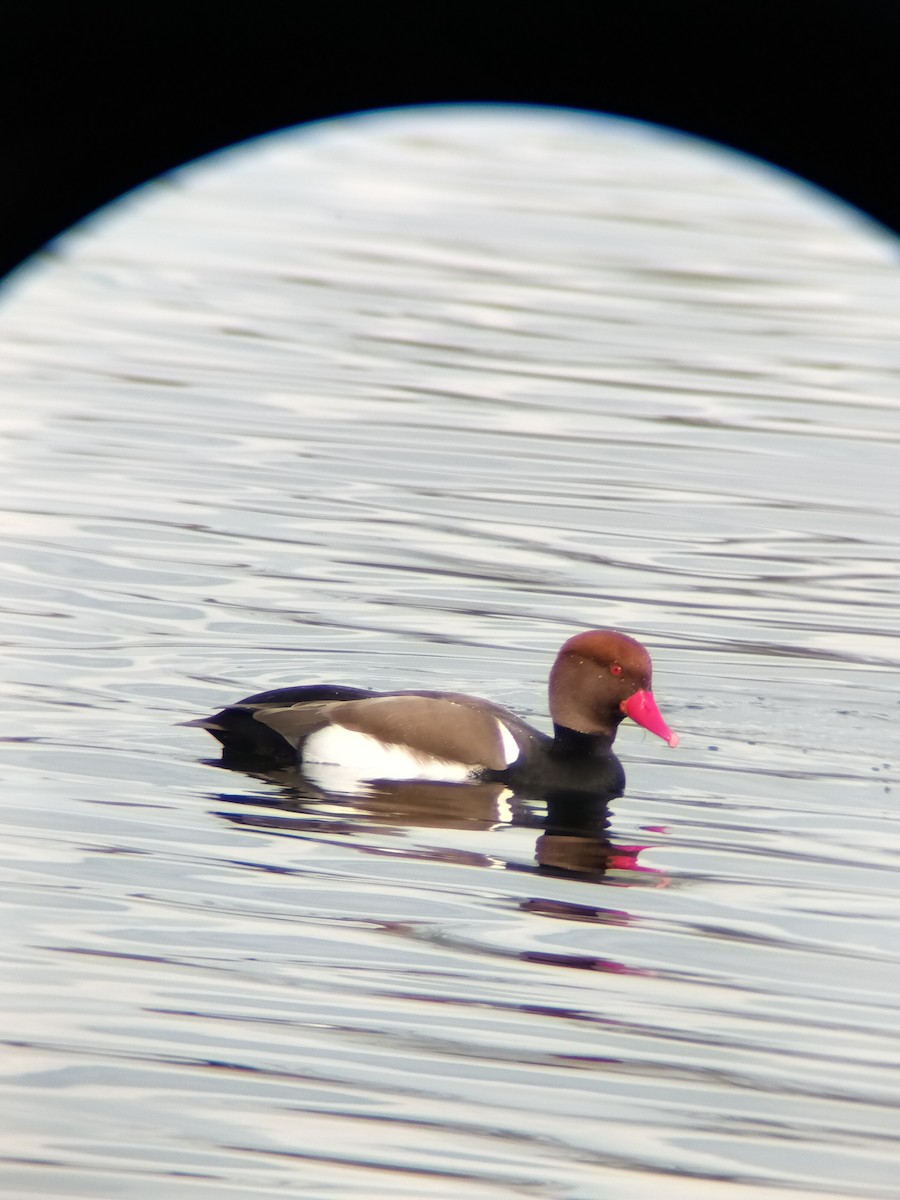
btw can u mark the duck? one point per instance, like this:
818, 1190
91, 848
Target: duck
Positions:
333, 733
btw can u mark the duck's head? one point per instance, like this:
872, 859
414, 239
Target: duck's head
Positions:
599, 678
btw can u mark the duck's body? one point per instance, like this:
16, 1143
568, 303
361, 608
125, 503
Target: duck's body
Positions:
333, 733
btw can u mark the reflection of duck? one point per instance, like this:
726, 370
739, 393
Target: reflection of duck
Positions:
573, 828
340, 735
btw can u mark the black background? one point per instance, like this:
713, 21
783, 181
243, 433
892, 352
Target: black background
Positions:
99, 97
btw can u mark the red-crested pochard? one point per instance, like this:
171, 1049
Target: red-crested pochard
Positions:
331, 732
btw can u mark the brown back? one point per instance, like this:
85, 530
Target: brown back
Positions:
432, 726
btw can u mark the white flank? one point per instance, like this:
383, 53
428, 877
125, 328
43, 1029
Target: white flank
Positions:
510, 746
336, 759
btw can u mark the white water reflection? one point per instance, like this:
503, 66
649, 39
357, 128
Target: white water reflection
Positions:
404, 401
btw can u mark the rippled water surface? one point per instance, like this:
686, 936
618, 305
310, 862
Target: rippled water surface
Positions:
406, 401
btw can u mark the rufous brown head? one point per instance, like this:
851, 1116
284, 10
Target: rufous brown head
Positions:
601, 676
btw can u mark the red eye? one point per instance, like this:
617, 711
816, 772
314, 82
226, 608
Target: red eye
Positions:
616, 669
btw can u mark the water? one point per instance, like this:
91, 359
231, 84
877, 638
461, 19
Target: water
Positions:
405, 401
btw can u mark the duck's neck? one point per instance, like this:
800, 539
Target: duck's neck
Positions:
572, 744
